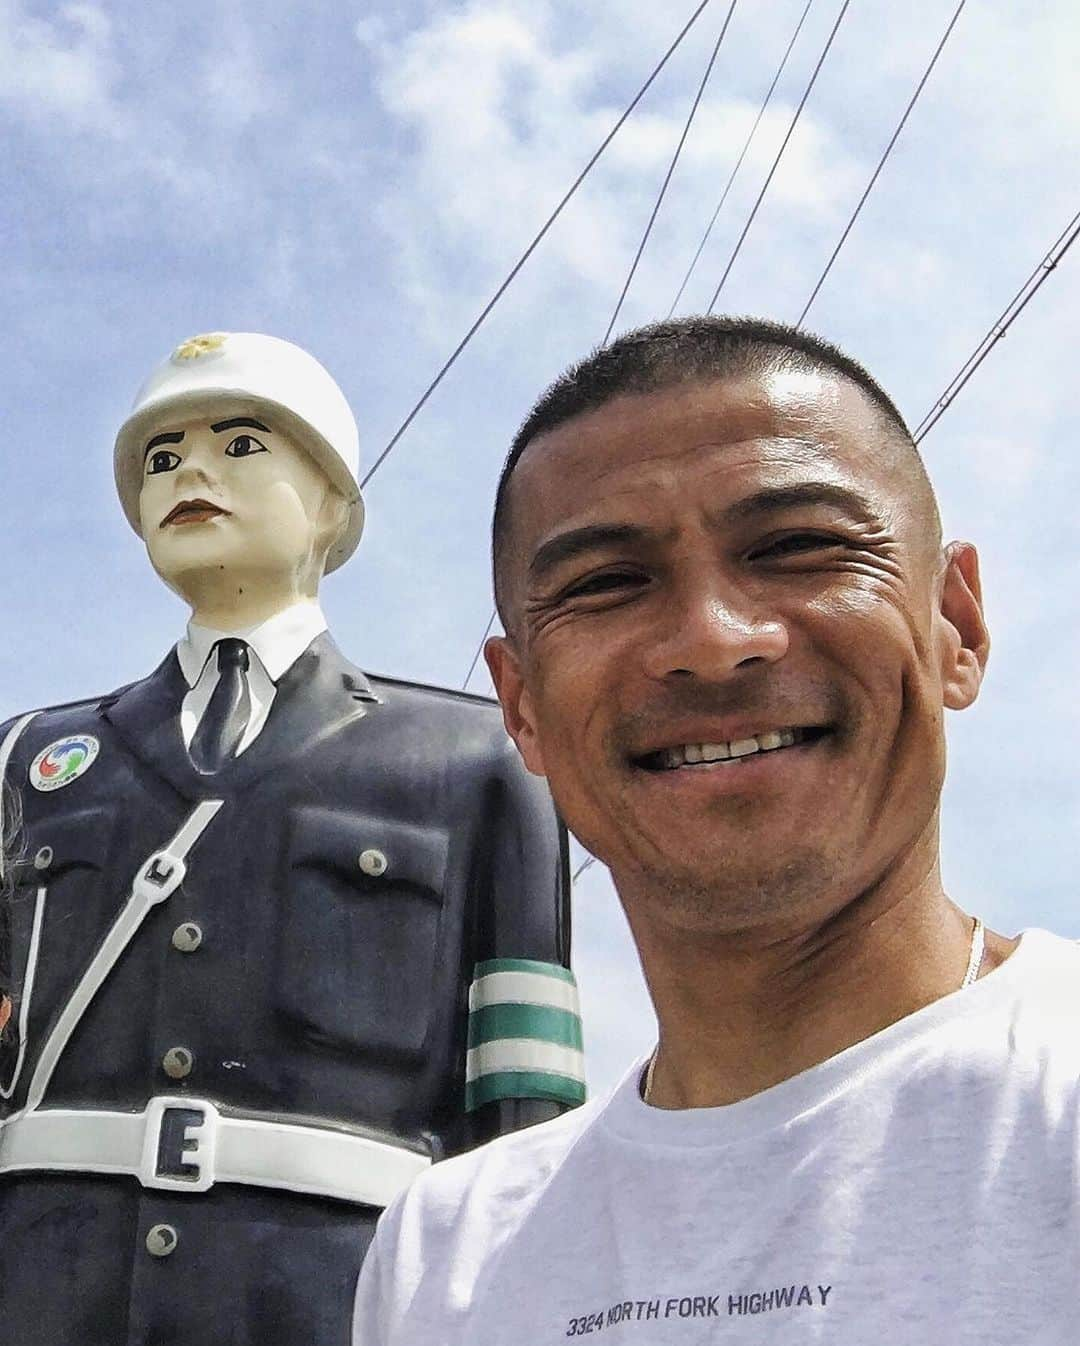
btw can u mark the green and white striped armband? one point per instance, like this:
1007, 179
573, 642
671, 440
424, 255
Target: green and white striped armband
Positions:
524, 1033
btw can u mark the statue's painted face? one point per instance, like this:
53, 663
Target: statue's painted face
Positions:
232, 495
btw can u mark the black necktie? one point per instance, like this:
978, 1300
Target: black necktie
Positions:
226, 715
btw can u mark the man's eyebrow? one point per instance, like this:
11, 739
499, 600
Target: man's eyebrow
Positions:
773, 499
167, 437
240, 421
577, 542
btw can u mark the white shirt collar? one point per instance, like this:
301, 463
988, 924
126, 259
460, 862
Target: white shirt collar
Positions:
279, 641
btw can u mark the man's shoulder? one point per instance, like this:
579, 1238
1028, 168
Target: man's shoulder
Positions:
1040, 954
495, 1183
438, 1237
1046, 968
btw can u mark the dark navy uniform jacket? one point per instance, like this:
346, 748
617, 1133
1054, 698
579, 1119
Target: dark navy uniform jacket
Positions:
321, 992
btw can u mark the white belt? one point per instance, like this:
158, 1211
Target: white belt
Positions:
166, 1150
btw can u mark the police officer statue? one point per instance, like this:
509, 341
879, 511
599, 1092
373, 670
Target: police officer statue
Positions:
280, 934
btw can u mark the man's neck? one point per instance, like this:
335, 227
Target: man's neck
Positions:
740, 1012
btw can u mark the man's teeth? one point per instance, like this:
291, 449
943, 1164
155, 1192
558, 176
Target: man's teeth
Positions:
692, 753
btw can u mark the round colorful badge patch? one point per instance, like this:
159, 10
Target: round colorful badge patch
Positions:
63, 761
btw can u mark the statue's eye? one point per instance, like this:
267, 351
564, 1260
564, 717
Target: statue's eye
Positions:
162, 460
243, 446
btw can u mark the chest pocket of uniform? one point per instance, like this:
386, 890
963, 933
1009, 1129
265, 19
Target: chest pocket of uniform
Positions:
51, 921
358, 940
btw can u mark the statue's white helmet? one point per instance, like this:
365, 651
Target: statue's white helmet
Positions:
252, 373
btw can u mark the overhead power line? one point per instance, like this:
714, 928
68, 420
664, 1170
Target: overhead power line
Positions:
1015, 307
881, 163
779, 154
479, 648
667, 178
532, 246
641, 246
585, 864
742, 156
670, 171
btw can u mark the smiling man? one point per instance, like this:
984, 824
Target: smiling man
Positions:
732, 631
267, 913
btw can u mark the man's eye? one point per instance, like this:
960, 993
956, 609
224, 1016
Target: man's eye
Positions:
792, 544
162, 460
243, 446
608, 581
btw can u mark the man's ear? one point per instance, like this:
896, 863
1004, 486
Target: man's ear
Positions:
517, 708
965, 642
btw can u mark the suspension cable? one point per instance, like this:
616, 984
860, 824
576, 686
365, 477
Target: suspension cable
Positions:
881, 163
670, 171
1013, 309
633, 268
742, 156
585, 864
531, 248
780, 154
479, 648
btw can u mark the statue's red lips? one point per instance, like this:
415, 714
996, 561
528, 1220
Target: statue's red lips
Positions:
192, 511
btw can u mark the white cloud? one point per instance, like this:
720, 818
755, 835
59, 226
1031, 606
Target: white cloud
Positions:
503, 114
65, 66
234, 85
281, 277
370, 31
174, 130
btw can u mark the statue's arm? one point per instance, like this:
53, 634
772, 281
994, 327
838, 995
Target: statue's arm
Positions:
525, 1034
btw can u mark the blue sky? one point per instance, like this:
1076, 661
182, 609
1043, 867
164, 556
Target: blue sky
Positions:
358, 178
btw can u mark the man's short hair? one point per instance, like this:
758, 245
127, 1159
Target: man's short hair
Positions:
662, 355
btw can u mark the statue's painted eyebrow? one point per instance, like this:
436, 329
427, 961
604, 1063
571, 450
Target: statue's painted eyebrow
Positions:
240, 422
168, 437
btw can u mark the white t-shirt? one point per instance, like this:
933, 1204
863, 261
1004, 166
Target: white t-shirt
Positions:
920, 1187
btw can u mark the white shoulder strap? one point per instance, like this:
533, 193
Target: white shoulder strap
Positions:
158, 877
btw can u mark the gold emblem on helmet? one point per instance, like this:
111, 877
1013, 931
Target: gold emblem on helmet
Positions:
199, 345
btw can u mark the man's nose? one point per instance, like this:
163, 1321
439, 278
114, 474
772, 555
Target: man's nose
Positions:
710, 631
